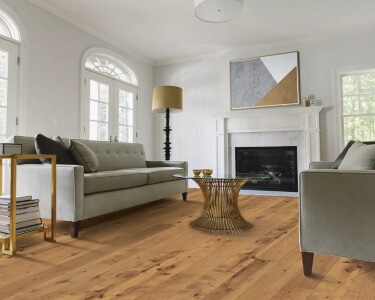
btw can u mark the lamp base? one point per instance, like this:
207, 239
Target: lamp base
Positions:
167, 130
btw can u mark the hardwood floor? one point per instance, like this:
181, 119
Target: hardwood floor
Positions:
152, 253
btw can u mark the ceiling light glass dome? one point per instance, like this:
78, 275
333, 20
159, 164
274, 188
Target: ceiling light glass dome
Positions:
216, 11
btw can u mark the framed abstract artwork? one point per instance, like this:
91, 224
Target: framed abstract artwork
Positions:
271, 80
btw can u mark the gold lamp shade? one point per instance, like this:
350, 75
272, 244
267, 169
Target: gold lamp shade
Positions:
167, 97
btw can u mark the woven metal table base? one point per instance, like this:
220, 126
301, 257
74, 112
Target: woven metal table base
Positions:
220, 214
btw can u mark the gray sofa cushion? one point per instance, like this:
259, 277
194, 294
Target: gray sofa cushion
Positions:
359, 157
117, 156
113, 180
84, 156
160, 174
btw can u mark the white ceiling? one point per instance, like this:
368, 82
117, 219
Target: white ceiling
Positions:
159, 30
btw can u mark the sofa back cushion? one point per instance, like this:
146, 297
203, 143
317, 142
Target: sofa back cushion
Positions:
117, 156
111, 155
28, 147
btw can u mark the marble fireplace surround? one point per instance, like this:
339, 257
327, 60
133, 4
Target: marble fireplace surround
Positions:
267, 127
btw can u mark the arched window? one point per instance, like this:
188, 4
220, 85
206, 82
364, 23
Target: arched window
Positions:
8, 27
108, 66
110, 99
9, 44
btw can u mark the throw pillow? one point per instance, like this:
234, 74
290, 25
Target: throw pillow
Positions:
341, 156
45, 145
84, 156
359, 157
339, 159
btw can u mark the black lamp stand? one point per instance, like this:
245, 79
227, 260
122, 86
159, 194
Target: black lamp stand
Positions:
167, 130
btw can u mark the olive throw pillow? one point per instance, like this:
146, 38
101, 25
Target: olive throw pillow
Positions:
360, 156
340, 158
45, 145
84, 156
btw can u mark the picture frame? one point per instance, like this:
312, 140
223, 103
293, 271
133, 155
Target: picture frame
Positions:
265, 81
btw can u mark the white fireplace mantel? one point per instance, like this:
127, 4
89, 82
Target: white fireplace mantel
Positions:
280, 119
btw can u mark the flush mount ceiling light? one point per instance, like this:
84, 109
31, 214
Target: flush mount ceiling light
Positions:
216, 11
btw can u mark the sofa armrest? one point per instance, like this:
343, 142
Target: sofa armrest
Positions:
35, 180
167, 163
315, 165
337, 213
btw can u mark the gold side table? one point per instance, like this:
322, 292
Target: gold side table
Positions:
220, 214
9, 243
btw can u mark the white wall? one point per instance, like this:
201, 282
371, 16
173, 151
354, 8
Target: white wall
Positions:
206, 93
55, 49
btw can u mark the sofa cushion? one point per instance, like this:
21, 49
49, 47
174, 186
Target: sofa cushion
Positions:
45, 145
113, 180
117, 156
359, 157
160, 174
84, 156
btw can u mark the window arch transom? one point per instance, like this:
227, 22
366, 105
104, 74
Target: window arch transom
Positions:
109, 67
8, 27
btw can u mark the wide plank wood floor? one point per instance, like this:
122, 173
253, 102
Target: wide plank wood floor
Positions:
152, 253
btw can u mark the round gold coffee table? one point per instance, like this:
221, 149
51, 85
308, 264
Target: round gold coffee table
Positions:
220, 214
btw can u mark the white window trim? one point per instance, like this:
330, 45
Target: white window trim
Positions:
339, 117
22, 69
121, 60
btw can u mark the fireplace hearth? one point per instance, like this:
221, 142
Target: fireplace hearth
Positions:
278, 162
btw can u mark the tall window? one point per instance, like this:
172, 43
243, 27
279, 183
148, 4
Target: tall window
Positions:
358, 106
9, 43
111, 100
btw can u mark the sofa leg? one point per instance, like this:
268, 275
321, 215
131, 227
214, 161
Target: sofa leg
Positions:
307, 261
184, 196
74, 229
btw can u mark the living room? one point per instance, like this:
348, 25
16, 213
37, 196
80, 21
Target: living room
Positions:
187, 149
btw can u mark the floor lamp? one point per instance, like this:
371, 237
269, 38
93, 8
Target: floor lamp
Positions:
167, 99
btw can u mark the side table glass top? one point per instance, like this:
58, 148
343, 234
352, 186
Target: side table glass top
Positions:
238, 176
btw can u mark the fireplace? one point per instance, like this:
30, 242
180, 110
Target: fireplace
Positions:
280, 163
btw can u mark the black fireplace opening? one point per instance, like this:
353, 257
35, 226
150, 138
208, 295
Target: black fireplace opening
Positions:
279, 163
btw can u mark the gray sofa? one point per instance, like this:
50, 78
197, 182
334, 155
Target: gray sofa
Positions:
124, 179
336, 213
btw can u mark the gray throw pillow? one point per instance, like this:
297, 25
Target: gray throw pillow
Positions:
359, 157
84, 156
340, 158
